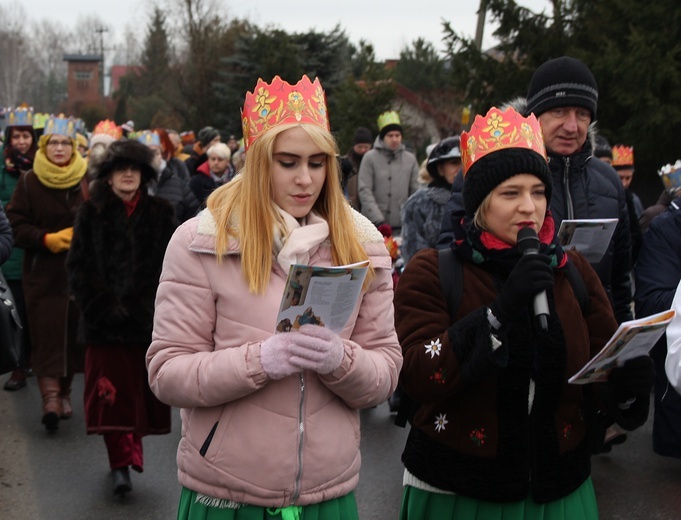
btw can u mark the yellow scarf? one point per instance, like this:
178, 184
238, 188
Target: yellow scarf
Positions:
58, 177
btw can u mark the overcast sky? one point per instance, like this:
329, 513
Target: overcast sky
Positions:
389, 25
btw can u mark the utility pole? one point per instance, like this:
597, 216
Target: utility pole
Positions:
482, 11
101, 30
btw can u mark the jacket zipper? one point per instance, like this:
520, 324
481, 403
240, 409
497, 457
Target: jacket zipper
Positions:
566, 185
301, 432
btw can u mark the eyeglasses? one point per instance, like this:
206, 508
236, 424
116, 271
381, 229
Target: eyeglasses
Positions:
57, 144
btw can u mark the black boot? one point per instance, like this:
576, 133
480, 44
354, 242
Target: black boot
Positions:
121, 481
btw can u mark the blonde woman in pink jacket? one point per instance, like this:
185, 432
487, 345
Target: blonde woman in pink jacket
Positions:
270, 422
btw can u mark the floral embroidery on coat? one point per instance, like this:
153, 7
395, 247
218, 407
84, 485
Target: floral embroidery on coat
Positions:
434, 348
439, 376
478, 437
440, 422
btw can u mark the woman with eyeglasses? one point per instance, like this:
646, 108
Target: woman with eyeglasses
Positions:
42, 212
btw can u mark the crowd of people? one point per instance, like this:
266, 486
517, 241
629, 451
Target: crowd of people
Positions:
154, 262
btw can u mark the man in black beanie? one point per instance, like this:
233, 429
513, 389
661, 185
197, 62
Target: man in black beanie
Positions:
563, 94
350, 162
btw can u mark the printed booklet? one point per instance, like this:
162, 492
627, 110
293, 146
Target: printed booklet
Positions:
323, 296
632, 339
589, 237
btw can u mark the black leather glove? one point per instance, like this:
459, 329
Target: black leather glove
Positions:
634, 379
530, 276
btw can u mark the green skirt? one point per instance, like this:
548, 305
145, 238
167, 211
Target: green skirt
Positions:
343, 508
418, 504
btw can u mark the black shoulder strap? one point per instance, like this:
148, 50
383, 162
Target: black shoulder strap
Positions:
451, 279
578, 286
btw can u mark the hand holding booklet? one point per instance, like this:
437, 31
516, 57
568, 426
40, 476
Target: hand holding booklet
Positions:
632, 339
588, 236
324, 296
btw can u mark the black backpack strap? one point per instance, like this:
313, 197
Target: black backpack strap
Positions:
578, 286
451, 283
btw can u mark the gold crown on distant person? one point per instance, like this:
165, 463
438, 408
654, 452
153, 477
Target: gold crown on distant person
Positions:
671, 175
500, 130
108, 127
60, 125
20, 116
279, 102
622, 155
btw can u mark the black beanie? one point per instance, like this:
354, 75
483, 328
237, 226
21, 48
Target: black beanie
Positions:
562, 82
492, 169
362, 136
392, 127
206, 135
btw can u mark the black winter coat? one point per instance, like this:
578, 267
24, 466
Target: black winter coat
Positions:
114, 266
176, 190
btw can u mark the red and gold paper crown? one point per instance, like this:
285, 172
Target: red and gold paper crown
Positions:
622, 155
498, 131
108, 127
279, 102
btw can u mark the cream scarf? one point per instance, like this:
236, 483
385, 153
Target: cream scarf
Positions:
300, 240
58, 177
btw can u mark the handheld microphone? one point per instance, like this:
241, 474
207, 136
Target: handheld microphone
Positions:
528, 243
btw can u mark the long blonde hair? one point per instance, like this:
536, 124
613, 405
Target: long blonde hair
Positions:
244, 209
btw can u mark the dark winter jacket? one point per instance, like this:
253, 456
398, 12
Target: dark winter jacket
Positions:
114, 266
658, 269
583, 188
6, 240
176, 191
658, 272
473, 434
11, 268
421, 219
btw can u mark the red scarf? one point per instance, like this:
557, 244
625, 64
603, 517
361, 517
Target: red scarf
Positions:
131, 204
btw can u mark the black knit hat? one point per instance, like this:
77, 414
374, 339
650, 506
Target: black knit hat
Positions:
392, 127
207, 134
562, 82
362, 136
122, 154
489, 171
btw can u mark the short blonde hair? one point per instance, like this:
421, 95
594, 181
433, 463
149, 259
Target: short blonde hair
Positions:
241, 211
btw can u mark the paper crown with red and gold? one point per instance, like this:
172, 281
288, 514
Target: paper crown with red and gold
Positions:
20, 116
279, 102
622, 155
499, 130
60, 125
108, 127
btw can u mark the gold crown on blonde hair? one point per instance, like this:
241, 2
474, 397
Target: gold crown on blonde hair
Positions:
622, 155
279, 102
500, 130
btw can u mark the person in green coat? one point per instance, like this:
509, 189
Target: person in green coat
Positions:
18, 155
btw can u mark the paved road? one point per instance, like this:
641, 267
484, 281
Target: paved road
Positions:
65, 476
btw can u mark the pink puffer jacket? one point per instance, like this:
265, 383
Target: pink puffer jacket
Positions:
246, 438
